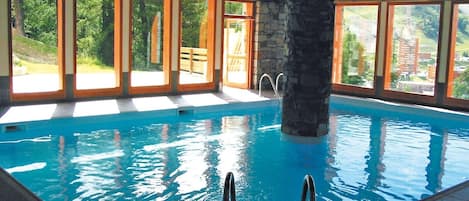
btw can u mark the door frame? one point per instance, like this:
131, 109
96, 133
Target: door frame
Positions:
250, 19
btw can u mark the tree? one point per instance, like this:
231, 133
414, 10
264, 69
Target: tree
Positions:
352, 56
192, 12
19, 16
143, 14
145, 26
105, 42
463, 21
40, 22
428, 20
461, 85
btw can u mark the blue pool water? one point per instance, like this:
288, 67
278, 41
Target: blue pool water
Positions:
368, 155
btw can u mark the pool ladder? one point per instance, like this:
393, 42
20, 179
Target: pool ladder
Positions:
271, 80
229, 193
308, 188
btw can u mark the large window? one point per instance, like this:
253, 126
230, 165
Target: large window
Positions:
150, 43
412, 48
355, 45
458, 75
197, 38
36, 44
96, 66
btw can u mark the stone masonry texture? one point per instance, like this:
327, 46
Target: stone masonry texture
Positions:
309, 38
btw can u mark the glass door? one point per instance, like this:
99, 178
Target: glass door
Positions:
237, 44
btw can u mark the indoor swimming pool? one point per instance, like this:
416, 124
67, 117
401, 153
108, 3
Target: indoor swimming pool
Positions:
369, 154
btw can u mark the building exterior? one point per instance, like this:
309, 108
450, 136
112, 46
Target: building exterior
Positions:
182, 67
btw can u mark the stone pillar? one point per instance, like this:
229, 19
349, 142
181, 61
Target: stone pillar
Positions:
310, 31
269, 45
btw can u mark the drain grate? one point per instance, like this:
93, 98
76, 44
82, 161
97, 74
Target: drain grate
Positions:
184, 112
13, 128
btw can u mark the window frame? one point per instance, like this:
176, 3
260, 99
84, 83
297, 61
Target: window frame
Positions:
118, 34
211, 33
50, 95
399, 95
346, 88
448, 100
167, 40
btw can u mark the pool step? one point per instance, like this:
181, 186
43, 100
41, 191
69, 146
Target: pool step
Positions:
459, 192
12, 190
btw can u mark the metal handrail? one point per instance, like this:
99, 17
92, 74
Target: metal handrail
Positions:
308, 186
277, 79
229, 193
271, 83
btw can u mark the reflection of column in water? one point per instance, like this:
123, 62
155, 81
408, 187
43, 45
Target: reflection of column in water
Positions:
326, 176
117, 160
192, 157
374, 163
164, 160
233, 142
62, 167
436, 165
66, 171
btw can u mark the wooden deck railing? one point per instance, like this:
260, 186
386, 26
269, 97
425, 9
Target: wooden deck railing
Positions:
193, 60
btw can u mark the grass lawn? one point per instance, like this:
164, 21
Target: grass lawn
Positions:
40, 58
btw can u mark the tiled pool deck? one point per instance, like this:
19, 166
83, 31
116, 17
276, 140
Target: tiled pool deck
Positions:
170, 105
205, 102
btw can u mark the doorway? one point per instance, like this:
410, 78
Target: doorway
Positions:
237, 43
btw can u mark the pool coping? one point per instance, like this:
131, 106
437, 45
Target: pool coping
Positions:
23, 118
401, 108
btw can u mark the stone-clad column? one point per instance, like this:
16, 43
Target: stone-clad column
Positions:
310, 31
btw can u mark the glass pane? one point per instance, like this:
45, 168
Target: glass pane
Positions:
355, 63
460, 70
236, 51
95, 44
34, 44
147, 43
236, 8
194, 51
414, 48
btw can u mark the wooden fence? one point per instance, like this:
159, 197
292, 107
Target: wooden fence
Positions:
193, 60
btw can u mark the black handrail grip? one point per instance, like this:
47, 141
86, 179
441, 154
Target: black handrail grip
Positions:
308, 186
229, 192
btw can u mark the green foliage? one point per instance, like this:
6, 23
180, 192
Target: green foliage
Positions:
394, 79
40, 20
143, 15
461, 85
465, 54
350, 57
193, 13
427, 18
463, 21
95, 30
29, 49
234, 8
